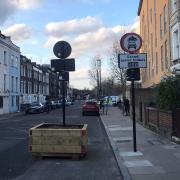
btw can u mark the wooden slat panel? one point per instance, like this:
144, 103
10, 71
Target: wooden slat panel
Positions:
56, 149
55, 140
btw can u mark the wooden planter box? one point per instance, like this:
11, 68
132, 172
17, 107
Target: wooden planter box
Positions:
58, 140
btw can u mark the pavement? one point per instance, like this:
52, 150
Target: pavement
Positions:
157, 158
10, 115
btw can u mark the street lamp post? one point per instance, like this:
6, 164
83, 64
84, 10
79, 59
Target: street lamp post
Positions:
98, 65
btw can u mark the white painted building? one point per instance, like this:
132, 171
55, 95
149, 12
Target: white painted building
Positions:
175, 33
9, 75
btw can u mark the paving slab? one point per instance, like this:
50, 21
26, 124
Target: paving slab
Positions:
157, 158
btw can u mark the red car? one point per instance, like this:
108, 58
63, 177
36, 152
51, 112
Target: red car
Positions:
90, 107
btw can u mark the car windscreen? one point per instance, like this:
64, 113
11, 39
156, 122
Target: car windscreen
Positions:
91, 103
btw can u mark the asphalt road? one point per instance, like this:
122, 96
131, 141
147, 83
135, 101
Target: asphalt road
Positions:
17, 163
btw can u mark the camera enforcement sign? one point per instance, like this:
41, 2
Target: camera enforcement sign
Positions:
132, 60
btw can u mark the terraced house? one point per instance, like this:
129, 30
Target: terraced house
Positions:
9, 75
155, 32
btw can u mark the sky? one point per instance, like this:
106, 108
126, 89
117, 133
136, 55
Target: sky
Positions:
90, 26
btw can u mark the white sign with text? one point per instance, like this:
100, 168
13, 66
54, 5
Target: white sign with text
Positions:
132, 60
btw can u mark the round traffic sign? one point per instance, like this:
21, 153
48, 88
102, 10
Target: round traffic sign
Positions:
131, 42
62, 49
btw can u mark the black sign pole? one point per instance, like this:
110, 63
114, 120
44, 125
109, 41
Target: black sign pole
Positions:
134, 115
63, 99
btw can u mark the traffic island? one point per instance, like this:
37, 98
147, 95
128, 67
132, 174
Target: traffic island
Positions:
58, 140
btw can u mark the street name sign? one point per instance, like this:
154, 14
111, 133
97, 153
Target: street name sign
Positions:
132, 60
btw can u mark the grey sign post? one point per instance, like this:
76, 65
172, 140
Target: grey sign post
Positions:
62, 50
131, 43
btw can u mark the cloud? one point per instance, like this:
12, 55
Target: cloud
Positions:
75, 26
86, 35
79, 78
27, 4
136, 27
84, 1
10, 7
18, 32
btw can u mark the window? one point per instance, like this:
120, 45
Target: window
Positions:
165, 55
156, 63
5, 82
21, 86
174, 5
154, 6
16, 62
161, 30
12, 83
1, 101
17, 101
16, 84
21, 70
151, 15
24, 71
162, 63
24, 87
149, 69
165, 19
152, 49
176, 44
5, 57
12, 60
12, 101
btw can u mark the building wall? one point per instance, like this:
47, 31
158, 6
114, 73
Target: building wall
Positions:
9, 67
154, 30
175, 30
34, 82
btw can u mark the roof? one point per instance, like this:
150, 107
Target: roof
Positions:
139, 8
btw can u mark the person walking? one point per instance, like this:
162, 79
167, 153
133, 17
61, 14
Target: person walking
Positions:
126, 106
107, 104
47, 107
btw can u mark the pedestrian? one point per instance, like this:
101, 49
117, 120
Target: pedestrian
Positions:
126, 106
47, 107
107, 104
119, 104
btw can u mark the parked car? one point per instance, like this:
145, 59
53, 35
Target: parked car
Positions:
35, 108
24, 106
52, 105
90, 107
58, 103
68, 102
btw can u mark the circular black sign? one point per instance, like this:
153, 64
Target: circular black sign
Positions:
62, 49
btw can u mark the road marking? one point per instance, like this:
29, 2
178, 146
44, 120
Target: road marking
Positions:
138, 163
131, 154
122, 139
120, 128
12, 138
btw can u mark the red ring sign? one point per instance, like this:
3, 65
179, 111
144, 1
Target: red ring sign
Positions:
131, 42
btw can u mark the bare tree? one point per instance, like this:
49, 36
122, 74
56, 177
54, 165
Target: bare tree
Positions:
94, 74
116, 72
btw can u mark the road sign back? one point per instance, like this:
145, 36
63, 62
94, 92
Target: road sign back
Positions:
62, 49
